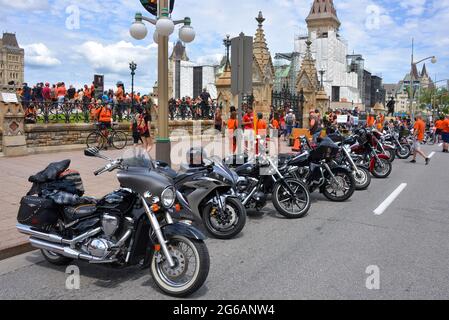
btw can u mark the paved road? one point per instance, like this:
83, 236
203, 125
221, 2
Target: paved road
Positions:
323, 256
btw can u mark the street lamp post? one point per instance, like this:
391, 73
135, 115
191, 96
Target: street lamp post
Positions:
133, 67
414, 64
227, 43
164, 28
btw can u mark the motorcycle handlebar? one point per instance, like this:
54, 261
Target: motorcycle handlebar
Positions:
109, 167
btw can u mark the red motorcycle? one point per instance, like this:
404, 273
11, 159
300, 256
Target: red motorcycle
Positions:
365, 155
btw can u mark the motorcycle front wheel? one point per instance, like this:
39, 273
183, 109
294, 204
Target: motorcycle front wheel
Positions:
228, 224
362, 178
291, 206
382, 169
342, 188
404, 151
191, 269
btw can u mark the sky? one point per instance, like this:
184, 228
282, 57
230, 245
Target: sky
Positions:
71, 40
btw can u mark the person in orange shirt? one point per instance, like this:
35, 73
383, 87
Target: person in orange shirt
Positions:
439, 124
232, 127
370, 121
419, 131
445, 134
380, 122
261, 129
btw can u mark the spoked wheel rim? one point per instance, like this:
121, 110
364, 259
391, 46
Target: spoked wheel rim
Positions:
187, 265
119, 140
294, 205
340, 187
95, 140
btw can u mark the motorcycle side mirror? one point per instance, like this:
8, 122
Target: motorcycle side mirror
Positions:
92, 152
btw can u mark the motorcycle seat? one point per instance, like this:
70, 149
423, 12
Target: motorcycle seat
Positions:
79, 212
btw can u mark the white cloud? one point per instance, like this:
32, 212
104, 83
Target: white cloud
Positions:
38, 55
115, 57
29, 5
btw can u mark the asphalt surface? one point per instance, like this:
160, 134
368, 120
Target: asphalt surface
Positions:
323, 256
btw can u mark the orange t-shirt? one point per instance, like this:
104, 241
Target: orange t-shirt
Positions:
370, 121
61, 92
420, 127
261, 125
439, 124
232, 124
445, 126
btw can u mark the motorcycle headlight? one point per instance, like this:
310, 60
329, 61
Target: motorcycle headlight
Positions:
168, 197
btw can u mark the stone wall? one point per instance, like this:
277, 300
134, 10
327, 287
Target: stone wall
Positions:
52, 135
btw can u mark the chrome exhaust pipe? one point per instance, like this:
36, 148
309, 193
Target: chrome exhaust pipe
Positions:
64, 251
54, 238
40, 235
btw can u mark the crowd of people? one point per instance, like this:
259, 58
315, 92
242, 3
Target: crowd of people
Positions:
201, 107
285, 120
87, 98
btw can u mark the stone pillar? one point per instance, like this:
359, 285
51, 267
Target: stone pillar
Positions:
12, 119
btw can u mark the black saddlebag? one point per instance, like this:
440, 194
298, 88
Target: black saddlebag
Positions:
37, 212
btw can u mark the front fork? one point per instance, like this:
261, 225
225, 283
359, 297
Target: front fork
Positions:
157, 229
351, 161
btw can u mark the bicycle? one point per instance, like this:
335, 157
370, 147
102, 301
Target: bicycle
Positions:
117, 139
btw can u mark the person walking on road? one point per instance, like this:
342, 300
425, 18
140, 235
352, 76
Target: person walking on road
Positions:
419, 131
445, 134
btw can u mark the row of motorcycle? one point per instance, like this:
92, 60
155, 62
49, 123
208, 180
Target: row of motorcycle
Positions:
158, 216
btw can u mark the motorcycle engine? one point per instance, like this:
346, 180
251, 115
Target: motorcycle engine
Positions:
98, 247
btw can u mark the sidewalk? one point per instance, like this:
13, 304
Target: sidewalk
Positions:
14, 185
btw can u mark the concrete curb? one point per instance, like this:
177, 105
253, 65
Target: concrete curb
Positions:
16, 250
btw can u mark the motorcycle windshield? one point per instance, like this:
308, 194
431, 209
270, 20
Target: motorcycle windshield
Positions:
223, 169
137, 158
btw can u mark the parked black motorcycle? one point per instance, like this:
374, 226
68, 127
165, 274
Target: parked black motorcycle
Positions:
207, 190
130, 226
403, 150
361, 175
260, 177
318, 169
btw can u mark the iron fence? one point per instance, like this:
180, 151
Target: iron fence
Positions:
79, 112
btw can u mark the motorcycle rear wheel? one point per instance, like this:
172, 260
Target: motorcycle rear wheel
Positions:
55, 259
284, 203
170, 280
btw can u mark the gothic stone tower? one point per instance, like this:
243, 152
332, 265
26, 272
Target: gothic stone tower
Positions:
263, 70
307, 82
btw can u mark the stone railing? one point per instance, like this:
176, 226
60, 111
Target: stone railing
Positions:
43, 137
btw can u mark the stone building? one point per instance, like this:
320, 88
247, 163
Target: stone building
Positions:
11, 60
263, 76
343, 84
307, 84
186, 78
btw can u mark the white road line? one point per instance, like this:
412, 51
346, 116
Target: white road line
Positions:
431, 155
384, 206
440, 145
